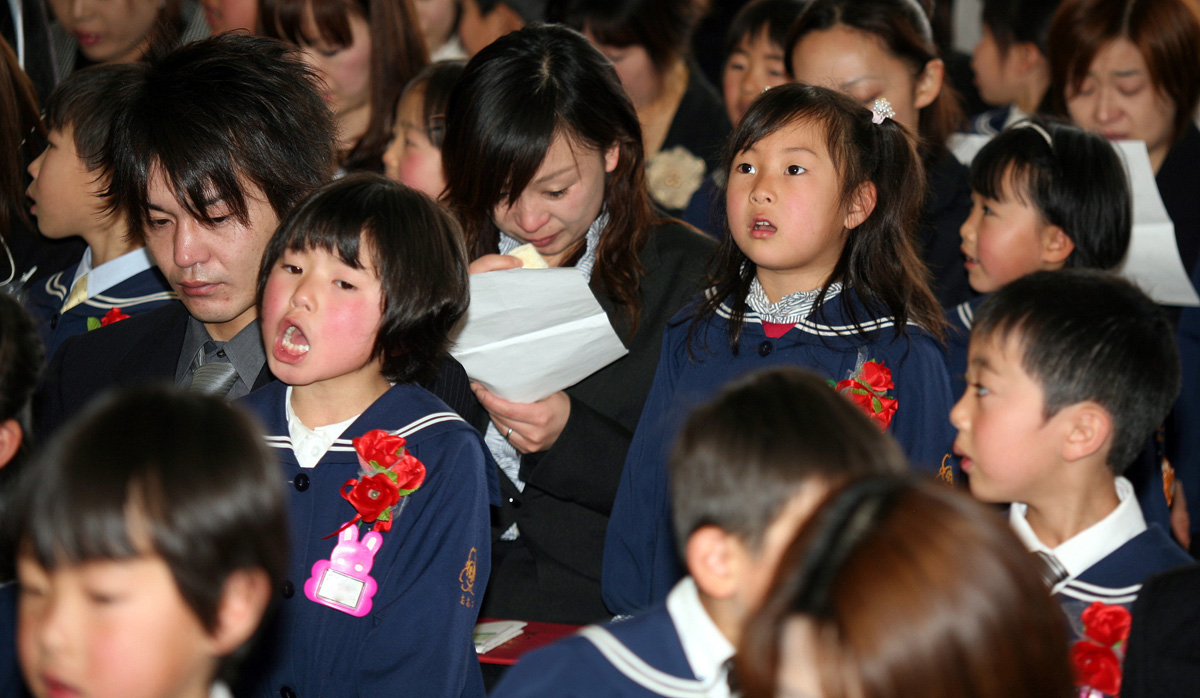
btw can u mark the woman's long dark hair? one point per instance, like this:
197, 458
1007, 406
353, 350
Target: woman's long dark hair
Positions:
19, 121
514, 98
878, 260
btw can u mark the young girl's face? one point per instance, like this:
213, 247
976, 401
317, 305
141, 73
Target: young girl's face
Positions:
557, 207
996, 73
110, 629
320, 317
754, 65
859, 64
108, 31
346, 72
1005, 239
411, 158
785, 212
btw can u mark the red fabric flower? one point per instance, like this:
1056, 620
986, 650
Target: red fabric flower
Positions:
371, 496
409, 473
113, 315
1107, 625
378, 448
867, 388
876, 376
1097, 667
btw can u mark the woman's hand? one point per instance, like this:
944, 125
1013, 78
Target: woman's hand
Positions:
494, 262
530, 426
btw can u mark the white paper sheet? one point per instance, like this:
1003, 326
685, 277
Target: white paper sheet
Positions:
532, 332
1153, 261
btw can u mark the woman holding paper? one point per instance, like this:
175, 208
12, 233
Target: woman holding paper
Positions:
1130, 70
543, 148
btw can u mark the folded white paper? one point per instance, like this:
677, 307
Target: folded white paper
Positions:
532, 332
1153, 261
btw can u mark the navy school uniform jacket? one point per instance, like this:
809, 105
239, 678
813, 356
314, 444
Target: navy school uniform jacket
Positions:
1163, 656
576, 668
640, 563
431, 567
141, 292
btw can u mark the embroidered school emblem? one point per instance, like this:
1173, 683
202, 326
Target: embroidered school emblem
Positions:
466, 580
946, 472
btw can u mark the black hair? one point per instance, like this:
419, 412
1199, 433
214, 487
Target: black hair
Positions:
21, 361
879, 260
214, 116
663, 27
435, 82
514, 98
22, 134
416, 248
1019, 22
904, 29
1089, 335
776, 16
87, 101
1074, 179
529, 10
743, 456
139, 472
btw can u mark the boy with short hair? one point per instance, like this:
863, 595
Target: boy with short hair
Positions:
746, 471
1068, 374
116, 278
148, 550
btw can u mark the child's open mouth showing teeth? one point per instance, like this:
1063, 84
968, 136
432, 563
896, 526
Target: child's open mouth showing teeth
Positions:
292, 343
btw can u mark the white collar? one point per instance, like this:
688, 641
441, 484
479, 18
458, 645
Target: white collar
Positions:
705, 646
219, 690
112, 272
310, 444
1095, 542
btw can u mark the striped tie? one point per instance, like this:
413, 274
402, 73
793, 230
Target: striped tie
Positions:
213, 377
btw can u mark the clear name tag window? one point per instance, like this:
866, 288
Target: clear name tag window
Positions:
341, 589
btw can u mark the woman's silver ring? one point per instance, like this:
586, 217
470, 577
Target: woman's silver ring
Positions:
508, 434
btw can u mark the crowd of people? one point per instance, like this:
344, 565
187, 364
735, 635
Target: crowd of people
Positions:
892, 420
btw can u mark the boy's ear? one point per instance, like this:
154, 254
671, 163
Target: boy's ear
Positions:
11, 437
1056, 245
712, 560
929, 83
243, 603
1090, 427
861, 206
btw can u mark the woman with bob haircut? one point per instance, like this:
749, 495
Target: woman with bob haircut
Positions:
1130, 70
872, 49
896, 588
365, 51
683, 121
543, 114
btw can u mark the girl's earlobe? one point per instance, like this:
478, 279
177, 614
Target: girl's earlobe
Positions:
929, 83
1057, 246
862, 204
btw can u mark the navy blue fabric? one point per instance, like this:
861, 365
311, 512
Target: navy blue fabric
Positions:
640, 563
574, 668
141, 292
431, 569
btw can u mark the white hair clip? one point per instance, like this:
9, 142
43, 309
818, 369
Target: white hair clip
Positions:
882, 110
1026, 123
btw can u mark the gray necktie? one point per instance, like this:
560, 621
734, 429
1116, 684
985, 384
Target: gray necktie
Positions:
212, 377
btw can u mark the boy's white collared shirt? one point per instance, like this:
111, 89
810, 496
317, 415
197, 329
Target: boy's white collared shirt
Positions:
705, 646
112, 272
1092, 544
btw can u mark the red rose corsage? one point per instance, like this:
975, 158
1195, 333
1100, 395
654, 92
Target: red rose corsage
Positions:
868, 387
1096, 657
113, 315
389, 473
